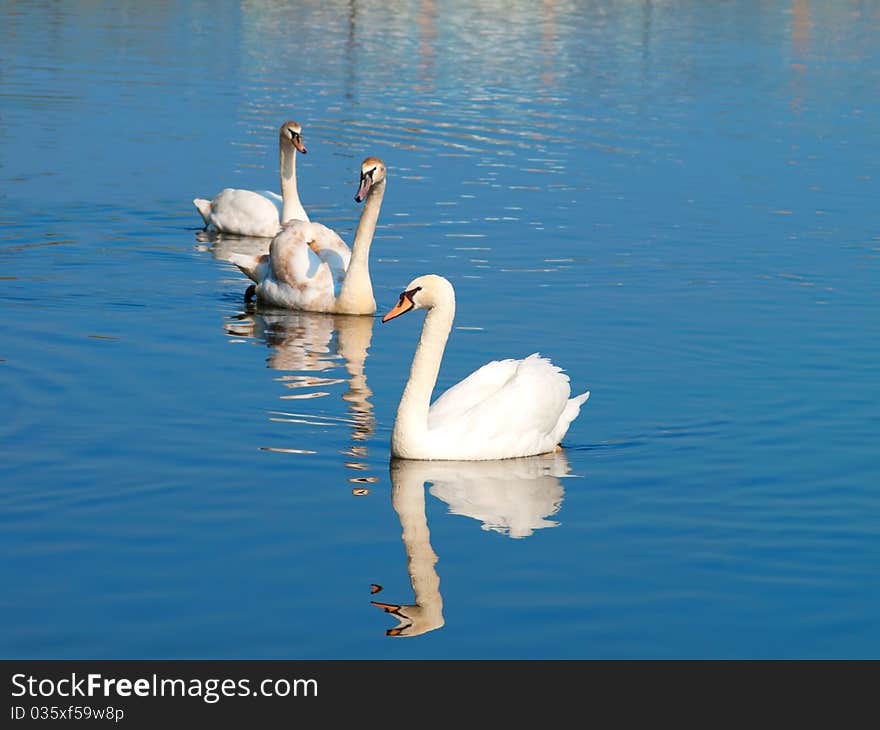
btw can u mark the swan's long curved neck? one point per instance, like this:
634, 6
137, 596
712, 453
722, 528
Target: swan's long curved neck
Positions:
291, 208
356, 294
411, 423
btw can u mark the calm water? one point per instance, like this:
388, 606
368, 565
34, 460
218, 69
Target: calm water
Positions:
677, 202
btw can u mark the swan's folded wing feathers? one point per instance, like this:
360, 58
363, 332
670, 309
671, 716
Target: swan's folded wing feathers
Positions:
244, 212
328, 239
473, 390
295, 276
527, 402
330, 249
530, 403
275, 199
288, 252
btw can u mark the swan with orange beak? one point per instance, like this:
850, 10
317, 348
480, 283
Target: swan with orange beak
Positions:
506, 409
249, 213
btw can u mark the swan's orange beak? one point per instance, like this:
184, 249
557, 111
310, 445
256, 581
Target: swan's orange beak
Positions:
298, 143
402, 307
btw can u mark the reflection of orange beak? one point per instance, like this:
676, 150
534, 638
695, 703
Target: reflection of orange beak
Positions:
402, 307
387, 607
298, 143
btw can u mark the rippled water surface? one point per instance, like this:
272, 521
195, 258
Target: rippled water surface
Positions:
675, 201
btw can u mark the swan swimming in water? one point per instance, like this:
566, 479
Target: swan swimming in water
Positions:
309, 267
507, 408
249, 213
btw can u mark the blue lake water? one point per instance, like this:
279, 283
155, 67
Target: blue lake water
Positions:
676, 202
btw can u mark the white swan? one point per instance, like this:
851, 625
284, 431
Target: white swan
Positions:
507, 408
248, 213
309, 267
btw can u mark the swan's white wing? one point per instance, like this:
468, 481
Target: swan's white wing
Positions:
244, 213
516, 417
331, 249
532, 392
275, 199
473, 390
295, 276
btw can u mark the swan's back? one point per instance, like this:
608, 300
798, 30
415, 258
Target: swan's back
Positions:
327, 245
532, 390
244, 213
324, 243
295, 276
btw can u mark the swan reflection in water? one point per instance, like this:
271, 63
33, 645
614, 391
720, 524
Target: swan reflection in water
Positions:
223, 245
310, 346
510, 496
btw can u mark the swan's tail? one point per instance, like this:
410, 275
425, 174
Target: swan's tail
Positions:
573, 408
251, 266
569, 413
204, 208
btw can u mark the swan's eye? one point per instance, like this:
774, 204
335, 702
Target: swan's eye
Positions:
408, 295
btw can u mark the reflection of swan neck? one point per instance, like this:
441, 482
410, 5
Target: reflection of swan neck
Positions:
356, 294
291, 208
410, 506
408, 500
354, 337
411, 424
361, 409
